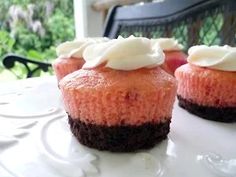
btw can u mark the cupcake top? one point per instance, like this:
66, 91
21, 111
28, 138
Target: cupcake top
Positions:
76, 48
124, 54
215, 57
168, 44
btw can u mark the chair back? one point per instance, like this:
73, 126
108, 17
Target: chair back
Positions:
192, 22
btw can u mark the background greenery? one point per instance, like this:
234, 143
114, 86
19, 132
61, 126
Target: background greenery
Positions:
33, 28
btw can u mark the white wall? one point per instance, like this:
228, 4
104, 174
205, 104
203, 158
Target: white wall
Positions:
88, 23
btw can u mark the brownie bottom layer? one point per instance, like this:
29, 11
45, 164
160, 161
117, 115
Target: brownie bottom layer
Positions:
224, 114
119, 138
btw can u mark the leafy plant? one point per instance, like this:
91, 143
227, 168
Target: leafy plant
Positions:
60, 27
6, 45
33, 28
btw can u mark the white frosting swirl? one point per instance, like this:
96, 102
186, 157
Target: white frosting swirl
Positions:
124, 54
168, 44
215, 57
76, 48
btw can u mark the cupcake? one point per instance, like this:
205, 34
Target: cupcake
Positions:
70, 56
207, 84
174, 56
121, 100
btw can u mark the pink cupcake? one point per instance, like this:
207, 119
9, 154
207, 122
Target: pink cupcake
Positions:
207, 84
70, 56
121, 100
174, 56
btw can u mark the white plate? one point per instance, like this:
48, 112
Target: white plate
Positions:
35, 141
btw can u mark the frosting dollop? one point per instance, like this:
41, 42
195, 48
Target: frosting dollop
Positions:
215, 57
168, 44
76, 48
124, 54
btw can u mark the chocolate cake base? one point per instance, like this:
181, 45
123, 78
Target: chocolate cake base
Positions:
125, 138
224, 114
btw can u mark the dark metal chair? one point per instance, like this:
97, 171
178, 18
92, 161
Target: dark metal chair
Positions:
190, 21
10, 59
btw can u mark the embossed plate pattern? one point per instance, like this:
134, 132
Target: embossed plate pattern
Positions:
35, 141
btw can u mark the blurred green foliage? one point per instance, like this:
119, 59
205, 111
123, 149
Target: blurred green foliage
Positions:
32, 29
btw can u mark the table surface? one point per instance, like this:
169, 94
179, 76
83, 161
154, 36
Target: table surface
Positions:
35, 141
